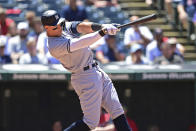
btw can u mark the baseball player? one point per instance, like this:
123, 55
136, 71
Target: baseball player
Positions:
92, 84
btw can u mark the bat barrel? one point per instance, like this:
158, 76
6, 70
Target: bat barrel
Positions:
140, 20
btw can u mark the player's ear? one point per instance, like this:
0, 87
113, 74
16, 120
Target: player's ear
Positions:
46, 27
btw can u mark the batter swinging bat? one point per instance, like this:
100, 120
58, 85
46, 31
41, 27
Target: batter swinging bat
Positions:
139, 21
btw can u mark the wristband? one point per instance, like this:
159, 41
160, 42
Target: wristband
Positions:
96, 27
101, 33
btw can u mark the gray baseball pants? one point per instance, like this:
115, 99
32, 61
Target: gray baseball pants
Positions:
95, 90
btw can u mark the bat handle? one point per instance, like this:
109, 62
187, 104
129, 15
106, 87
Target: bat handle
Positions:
105, 31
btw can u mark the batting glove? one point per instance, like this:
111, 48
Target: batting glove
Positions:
110, 29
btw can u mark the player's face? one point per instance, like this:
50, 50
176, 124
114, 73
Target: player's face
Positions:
54, 31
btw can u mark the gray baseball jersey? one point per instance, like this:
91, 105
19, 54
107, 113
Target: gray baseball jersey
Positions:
93, 86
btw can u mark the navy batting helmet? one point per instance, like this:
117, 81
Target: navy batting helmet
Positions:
51, 18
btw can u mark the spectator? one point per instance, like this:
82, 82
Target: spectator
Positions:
42, 48
74, 12
30, 16
42, 43
172, 12
12, 30
179, 49
37, 28
5, 22
153, 50
136, 56
168, 55
17, 44
110, 51
137, 34
4, 59
194, 22
57, 126
5, 40
151, 3
186, 10
32, 57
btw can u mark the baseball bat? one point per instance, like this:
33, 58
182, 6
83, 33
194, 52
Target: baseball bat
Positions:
139, 21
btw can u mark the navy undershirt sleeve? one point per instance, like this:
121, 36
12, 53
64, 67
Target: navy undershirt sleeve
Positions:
74, 26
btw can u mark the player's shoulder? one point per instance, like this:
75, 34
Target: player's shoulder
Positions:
57, 41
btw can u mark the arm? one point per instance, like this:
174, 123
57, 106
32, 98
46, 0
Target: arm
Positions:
89, 39
129, 38
181, 11
84, 41
145, 34
144, 38
101, 58
88, 27
180, 8
15, 57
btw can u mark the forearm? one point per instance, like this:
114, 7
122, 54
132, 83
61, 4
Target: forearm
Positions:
180, 8
88, 27
101, 58
89, 39
145, 40
84, 41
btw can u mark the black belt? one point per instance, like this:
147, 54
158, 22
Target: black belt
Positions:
88, 67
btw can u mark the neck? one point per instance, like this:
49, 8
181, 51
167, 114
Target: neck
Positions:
51, 35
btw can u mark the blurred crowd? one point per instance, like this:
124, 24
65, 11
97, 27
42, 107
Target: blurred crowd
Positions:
25, 42
181, 14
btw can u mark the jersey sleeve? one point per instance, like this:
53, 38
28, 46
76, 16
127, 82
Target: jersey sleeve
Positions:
59, 47
71, 27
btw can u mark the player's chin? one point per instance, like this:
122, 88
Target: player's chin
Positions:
59, 33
